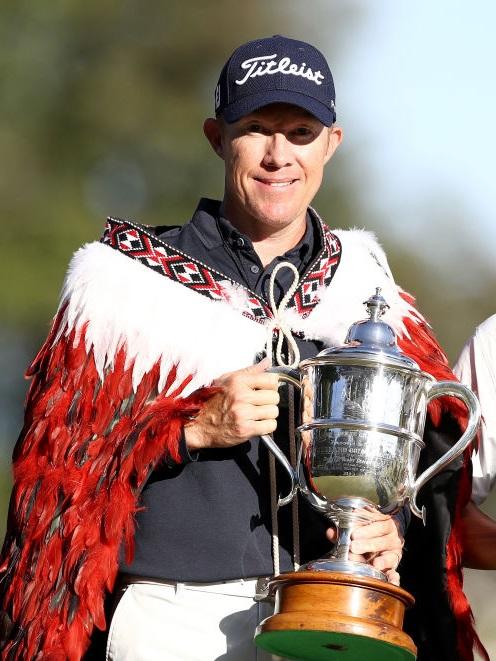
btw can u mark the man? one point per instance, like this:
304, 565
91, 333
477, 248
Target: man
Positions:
476, 367
140, 451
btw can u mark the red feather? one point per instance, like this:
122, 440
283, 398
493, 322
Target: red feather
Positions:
85, 452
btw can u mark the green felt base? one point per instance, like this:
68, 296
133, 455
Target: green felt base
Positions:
329, 646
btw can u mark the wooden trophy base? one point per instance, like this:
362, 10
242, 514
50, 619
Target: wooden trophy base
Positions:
322, 616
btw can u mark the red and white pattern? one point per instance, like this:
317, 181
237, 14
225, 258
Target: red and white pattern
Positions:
319, 275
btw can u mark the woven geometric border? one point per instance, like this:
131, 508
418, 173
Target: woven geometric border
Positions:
137, 242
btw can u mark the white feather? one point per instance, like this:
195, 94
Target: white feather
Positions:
363, 268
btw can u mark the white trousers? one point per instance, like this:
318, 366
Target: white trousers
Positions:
187, 622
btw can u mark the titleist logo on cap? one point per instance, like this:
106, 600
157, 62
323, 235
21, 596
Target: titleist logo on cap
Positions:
267, 65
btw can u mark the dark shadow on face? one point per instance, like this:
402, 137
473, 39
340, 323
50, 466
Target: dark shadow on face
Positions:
298, 125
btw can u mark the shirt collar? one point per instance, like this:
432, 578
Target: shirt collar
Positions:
213, 229
204, 222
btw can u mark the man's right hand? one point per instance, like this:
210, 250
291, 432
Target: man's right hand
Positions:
245, 406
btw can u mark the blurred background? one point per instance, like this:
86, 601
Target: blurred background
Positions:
101, 113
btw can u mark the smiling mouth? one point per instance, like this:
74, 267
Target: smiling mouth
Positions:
276, 184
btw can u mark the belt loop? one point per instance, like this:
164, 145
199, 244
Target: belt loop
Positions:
178, 588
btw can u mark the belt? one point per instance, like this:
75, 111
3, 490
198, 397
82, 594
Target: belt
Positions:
256, 588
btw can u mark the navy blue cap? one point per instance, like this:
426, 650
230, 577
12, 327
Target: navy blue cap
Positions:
275, 70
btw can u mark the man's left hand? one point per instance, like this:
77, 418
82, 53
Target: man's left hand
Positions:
377, 542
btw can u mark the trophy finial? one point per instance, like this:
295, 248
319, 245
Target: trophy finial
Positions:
371, 339
376, 305
373, 333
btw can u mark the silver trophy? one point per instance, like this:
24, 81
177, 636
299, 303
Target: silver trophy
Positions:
363, 410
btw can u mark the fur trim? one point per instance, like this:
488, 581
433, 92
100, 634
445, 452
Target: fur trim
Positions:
363, 267
124, 305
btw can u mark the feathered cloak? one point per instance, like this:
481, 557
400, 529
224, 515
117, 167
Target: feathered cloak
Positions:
128, 360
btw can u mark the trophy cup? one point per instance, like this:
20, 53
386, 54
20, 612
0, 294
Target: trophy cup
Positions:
363, 410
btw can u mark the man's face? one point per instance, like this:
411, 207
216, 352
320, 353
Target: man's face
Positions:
274, 162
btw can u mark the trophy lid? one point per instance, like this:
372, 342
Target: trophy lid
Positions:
370, 339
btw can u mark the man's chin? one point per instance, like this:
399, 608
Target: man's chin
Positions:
276, 216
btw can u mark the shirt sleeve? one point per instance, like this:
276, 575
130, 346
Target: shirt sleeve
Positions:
403, 518
476, 368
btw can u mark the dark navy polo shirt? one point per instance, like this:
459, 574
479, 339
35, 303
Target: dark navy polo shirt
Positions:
209, 519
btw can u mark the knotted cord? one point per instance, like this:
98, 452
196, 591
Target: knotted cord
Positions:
278, 323
283, 330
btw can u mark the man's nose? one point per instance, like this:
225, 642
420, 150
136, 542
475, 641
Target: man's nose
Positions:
278, 151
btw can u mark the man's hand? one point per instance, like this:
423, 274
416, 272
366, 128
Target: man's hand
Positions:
377, 542
246, 406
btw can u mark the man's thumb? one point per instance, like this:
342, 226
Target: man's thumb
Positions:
258, 367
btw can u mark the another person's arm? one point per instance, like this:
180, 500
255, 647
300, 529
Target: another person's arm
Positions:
476, 367
478, 538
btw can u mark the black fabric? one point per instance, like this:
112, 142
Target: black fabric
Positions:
423, 572
209, 519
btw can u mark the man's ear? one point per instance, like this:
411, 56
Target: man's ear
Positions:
335, 138
212, 128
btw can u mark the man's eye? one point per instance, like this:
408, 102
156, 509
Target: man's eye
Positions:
254, 127
302, 135
302, 131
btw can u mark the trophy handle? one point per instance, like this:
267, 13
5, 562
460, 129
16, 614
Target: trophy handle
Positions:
287, 374
290, 376
320, 504
279, 454
454, 389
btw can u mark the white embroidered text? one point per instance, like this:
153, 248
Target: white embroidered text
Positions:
265, 65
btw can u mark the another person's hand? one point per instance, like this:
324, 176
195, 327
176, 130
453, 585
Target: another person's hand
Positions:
377, 542
245, 406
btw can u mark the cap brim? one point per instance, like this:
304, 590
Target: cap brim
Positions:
235, 111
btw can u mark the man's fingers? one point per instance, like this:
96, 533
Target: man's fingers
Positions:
262, 397
393, 577
375, 528
257, 367
376, 544
261, 427
331, 534
265, 412
256, 376
386, 561
260, 380
377, 536
389, 560
357, 557
248, 373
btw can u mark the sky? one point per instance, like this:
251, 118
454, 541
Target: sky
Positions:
418, 104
